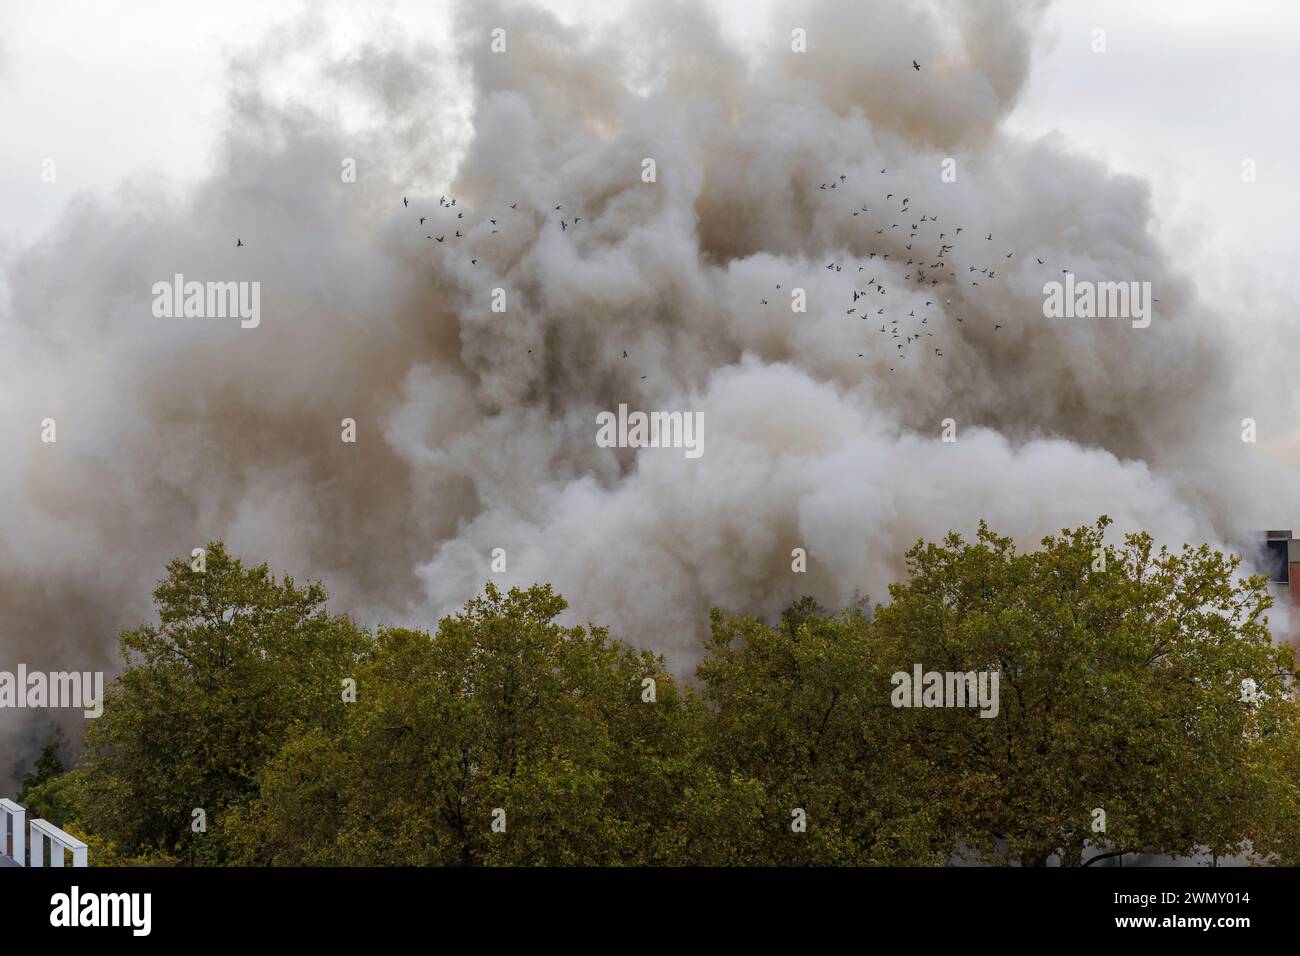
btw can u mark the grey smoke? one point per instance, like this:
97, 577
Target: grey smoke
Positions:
477, 429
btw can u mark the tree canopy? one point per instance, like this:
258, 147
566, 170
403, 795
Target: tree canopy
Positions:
1141, 708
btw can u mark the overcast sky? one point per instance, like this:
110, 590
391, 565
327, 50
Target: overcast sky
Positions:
1184, 92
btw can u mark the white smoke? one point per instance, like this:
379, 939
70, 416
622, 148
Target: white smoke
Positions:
477, 429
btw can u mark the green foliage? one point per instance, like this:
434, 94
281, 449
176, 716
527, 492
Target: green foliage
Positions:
1121, 688
800, 713
48, 766
209, 695
501, 708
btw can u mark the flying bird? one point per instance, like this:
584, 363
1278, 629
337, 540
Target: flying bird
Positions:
238, 242
916, 66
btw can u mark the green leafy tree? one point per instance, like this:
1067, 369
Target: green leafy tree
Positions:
1137, 682
208, 696
47, 767
798, 713
502, 711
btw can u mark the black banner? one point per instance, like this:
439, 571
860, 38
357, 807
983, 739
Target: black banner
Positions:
337, 906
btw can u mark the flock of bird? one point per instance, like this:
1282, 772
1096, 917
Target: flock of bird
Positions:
930, 251
934, 272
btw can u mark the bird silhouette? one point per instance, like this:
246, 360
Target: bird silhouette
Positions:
405, 201
238, 242
916, 66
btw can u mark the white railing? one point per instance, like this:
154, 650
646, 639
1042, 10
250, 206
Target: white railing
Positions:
10, 811
42, 831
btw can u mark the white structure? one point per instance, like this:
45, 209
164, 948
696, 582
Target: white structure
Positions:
14, 842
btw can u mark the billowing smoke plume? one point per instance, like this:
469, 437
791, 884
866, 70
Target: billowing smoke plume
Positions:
476, 429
